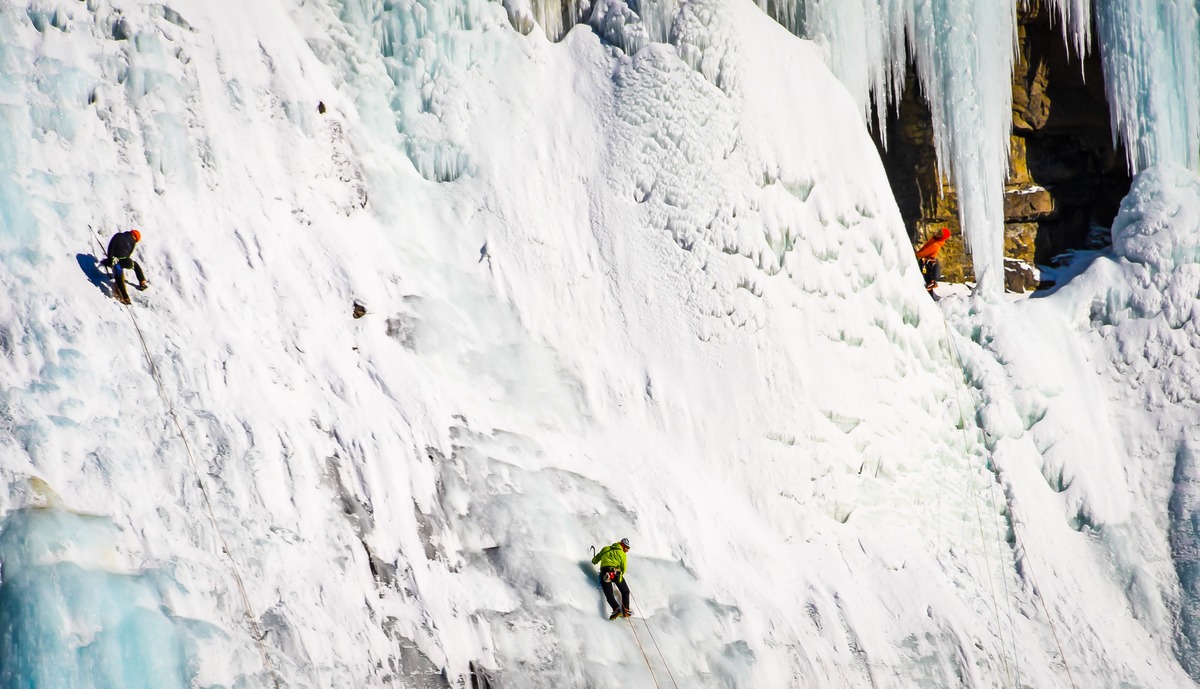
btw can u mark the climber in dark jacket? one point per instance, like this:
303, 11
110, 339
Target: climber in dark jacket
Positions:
120, 252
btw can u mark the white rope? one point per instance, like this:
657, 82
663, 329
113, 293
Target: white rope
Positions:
251, 619
1016, 531
655, 642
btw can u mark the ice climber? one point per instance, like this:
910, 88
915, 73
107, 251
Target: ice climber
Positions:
927, 258
119, 259
611, 559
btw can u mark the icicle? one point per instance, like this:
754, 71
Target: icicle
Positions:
556, 17
1076, 19
1151, 56
863, 40
549, 15
789, 13
658, 16
963, 51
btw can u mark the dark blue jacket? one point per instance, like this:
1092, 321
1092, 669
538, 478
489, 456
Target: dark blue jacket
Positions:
121, 245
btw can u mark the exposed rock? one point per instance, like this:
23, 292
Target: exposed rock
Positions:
1018, 164
1027, 204
1031, 105
1019, 276
1020, 241
1065, 176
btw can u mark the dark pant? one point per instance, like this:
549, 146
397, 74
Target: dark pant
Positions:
608, 589
122, 265
931, 270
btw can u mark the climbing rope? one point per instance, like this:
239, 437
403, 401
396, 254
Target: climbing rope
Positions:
208, 506
987, 564
953, 346
656, 648
1032, 578
643, 650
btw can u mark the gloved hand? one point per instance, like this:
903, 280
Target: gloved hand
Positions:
107, 262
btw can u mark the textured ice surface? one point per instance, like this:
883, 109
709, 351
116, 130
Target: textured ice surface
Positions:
1159, 222
663, 295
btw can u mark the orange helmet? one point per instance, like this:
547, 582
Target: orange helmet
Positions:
945, 233
137, 236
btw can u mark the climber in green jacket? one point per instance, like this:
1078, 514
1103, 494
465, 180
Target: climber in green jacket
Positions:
612, 560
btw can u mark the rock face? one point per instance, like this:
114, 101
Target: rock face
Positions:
1065, 174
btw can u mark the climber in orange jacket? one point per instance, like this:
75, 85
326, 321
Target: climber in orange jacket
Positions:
927, 258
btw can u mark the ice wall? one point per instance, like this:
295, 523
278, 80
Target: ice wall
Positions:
662, 295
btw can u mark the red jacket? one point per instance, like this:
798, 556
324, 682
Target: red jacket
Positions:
931, 248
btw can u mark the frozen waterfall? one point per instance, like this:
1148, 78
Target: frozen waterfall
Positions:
963, 54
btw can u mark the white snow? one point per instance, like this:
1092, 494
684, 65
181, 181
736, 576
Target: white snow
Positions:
663, 295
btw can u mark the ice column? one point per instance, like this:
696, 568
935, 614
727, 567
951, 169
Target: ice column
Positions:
963, 51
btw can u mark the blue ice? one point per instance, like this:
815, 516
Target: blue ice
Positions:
69, 621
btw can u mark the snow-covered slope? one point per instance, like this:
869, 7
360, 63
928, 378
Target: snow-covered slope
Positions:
1088, 404
664, 296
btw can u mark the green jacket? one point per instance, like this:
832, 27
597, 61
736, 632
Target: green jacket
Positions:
611, 556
